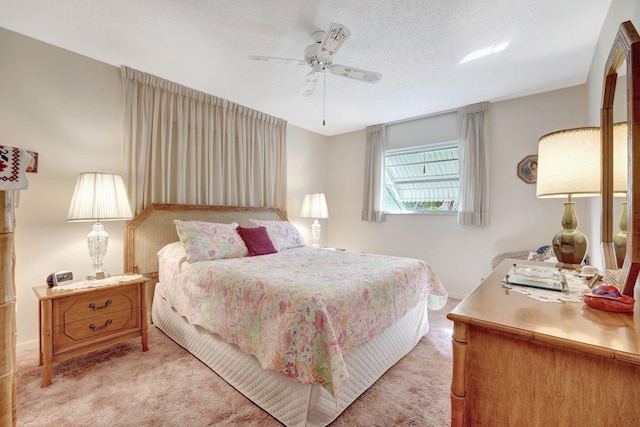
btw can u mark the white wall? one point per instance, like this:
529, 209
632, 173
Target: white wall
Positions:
461, 255
307, 163
67, 108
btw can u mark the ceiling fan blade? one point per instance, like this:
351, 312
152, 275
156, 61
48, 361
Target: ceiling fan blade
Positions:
274, 59
336, 35
309, 84
355, 73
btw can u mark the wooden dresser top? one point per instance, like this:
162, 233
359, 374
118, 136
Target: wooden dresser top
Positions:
495, 307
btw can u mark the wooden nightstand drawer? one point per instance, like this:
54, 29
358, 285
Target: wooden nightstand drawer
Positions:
100, 303
76, 334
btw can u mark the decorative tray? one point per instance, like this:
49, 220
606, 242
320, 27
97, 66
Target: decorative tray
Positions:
537, 277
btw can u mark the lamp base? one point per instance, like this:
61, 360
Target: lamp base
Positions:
620, 247
570, 248
316, 229
567, 266
620, 238
98, 275
97, 242
570, 244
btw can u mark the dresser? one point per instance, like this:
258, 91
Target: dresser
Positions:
518, 361
77, 321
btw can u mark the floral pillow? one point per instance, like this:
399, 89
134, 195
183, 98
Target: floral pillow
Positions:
283, 234
205, 241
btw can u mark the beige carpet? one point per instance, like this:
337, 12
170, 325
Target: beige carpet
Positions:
122, 386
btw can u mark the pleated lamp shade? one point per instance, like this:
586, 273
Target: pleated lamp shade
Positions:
99, 196
314, 206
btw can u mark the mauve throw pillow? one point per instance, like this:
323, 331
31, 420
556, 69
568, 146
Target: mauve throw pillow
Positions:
257, 240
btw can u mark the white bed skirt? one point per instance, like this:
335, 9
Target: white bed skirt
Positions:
290, 402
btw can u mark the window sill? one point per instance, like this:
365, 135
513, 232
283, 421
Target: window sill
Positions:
446, 213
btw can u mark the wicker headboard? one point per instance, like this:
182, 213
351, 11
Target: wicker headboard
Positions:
153, 228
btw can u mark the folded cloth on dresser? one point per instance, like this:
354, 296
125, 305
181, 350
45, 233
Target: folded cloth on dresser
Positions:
300, 310
13, 168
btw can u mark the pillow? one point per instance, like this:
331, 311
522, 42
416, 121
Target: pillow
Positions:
206, 241
545, 257
283, 234
171, 250
257, 240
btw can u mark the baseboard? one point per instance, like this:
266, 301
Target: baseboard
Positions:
27, 345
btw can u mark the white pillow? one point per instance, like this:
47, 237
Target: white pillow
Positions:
171, 250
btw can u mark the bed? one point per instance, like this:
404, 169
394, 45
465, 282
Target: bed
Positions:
303, 374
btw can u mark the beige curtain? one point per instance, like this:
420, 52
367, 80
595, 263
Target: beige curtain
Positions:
184, 146
474, 190
373, 201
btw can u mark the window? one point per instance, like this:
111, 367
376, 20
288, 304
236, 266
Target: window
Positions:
424, 179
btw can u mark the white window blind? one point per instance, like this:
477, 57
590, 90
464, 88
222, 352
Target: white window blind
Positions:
423, 179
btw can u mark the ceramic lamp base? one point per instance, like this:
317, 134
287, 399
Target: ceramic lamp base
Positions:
570, 245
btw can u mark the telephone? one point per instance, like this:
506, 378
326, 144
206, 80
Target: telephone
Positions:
59, 276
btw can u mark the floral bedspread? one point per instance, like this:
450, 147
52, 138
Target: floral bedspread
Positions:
300, 310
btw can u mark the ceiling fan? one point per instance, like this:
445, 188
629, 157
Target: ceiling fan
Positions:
319, 56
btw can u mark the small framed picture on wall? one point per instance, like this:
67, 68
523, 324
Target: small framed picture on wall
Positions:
528, 169
33, 164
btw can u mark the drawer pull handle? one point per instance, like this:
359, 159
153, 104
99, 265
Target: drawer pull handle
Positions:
106, 304
97, 328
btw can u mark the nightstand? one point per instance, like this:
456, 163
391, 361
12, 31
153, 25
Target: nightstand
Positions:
76, 321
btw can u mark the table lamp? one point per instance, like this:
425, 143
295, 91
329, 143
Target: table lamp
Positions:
315, 206
99, 196
569, 166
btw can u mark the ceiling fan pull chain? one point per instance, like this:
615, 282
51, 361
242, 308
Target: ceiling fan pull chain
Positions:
324, 96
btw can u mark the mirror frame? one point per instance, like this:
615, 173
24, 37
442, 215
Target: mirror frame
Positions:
626, 47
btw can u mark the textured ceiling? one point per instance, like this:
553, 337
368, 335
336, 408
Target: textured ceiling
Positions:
417, 45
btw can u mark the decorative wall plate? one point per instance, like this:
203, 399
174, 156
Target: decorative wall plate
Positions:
528, 169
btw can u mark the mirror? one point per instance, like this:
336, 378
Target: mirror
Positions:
625, 49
